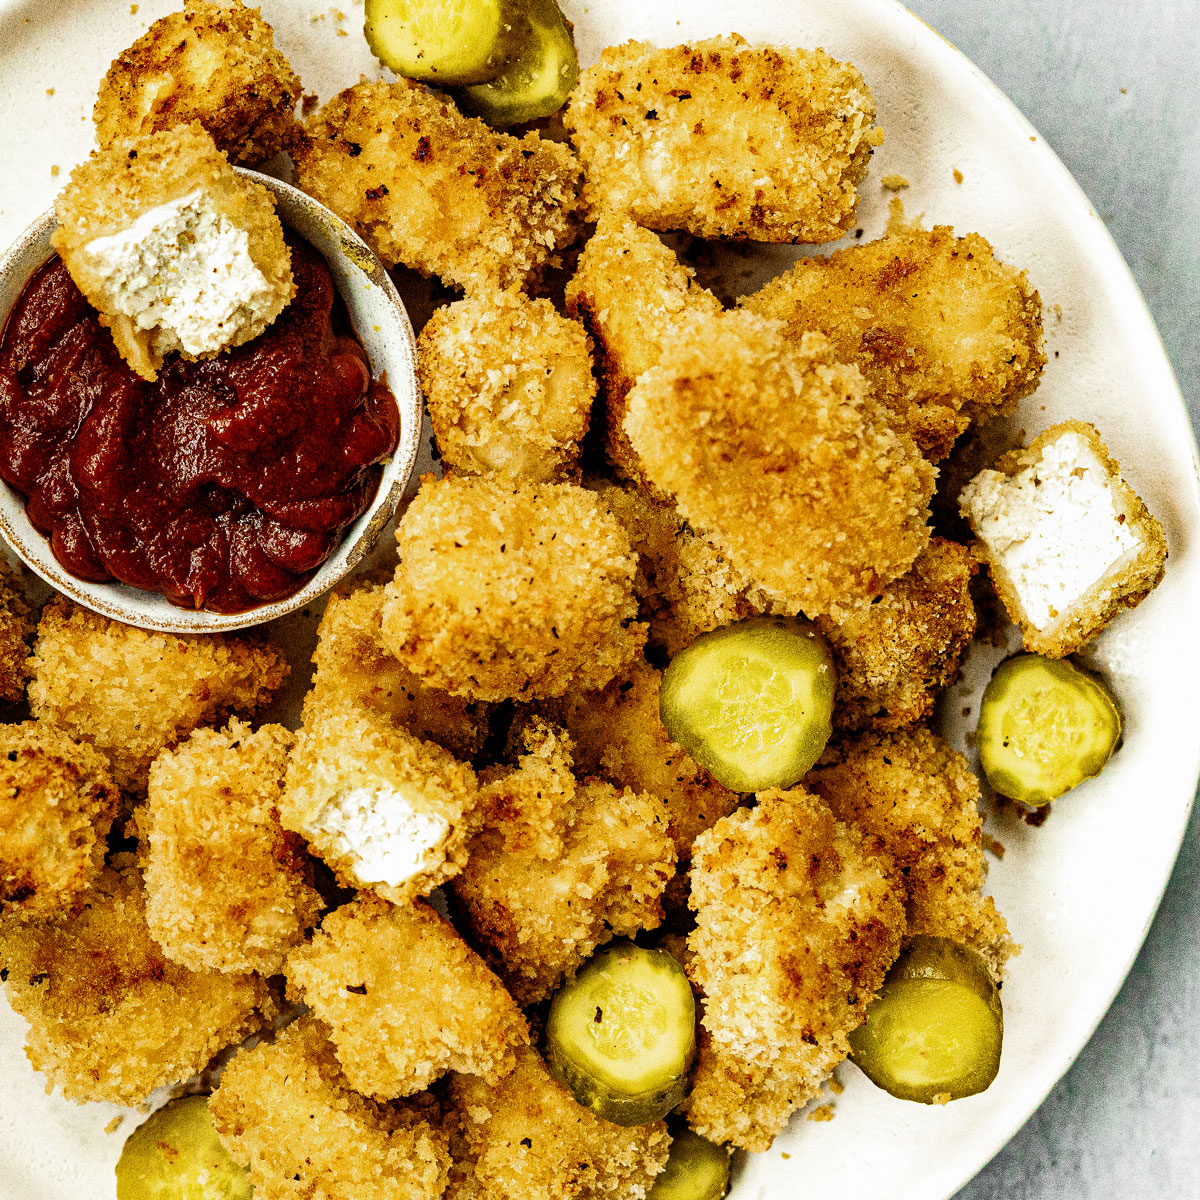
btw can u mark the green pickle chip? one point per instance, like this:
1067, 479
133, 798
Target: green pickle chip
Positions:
697, 1169
441, 41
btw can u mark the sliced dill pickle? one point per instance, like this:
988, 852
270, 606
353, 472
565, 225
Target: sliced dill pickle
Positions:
697, 1169
752, 702
176, 1155
537, 79
1044, 727
622, 1034
936, 1028
441, 41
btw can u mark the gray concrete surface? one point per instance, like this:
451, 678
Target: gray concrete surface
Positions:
1114, 86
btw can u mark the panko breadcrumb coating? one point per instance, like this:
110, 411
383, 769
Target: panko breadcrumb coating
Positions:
132, 693
427, 187
285, 1110
797, 921
110, 1016
895, 654
215, 63
405, 998
915, 799
57, 804
509, 387
630, 291
561, 867
725, 139
17, 624
511, 591
778, 454
944, 332
226, 888
529, 1138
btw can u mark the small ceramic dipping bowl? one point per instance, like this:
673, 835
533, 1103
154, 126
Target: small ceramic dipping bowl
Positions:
381, 322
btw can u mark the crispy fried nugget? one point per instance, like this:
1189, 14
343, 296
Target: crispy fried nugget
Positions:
797, 921
561, 867
226, 888
285, 1110
111, 1018
725, 139
507, 591
215, 63
915, 799
131, 693
896, 653
528, 1137
509, 387
432, 189
630, 291
17, 624
405, 998
943, 331
778, 454
57, 804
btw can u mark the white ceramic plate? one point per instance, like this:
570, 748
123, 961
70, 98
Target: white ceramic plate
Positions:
1081, 891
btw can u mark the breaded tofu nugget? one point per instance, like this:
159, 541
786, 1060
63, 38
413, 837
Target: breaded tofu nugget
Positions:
17, 624
797, 921
944, 332
215, 63
226, 888
630, 292
110, 1016
285, 1110
427, 187
915, 799
353, 666
132, 693
384, 809
1067, 542
57, 804
405, 998
175, 249
561, 867
511, 591
509, 387
528, 1137
725, 139
895, 654
778, 454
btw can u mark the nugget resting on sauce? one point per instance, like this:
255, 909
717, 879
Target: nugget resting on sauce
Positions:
215, 63
132, 693
405, 998
57, 804
429, 188
17, 624
507, 591
725, 139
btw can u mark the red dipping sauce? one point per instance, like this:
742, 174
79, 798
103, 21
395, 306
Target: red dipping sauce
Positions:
224, 484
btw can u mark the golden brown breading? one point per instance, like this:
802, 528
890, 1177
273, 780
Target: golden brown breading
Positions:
226, 888
17, 624
432, 189
944, 332
405, 998
111, 1018
630, 291
896, 653
507, 591
778, 454
131, 693
916, 800
529, 1138
384, 809
725, 139
561, 867
509, 387
797, 922
215, 63
57, 803
285, 1109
